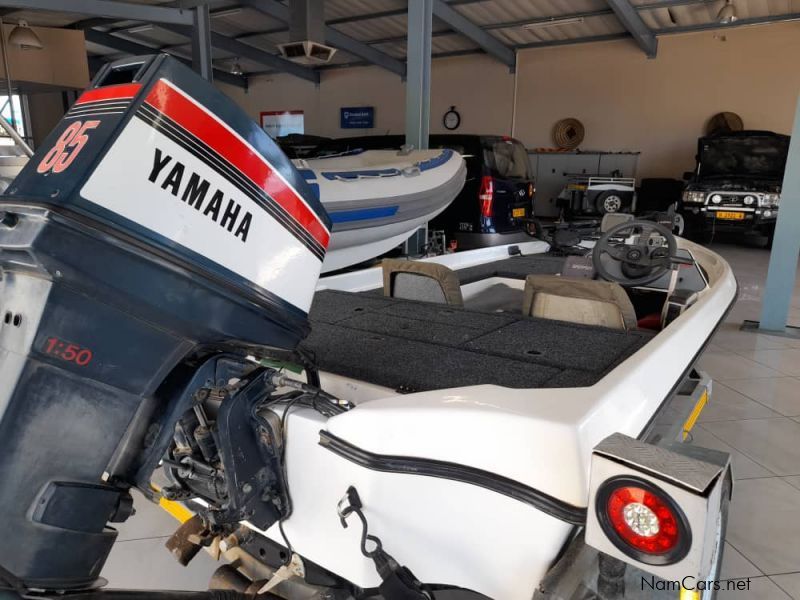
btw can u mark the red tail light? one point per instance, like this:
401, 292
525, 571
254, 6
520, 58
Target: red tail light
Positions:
486, 196
643, 521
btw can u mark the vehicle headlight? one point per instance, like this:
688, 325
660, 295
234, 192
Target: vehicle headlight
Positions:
749, 200
716, 198
770, 200
691, 197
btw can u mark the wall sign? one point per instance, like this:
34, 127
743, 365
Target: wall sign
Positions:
282, 122
357, 117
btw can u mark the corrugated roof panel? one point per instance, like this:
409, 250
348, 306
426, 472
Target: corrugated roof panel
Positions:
337, 9
704, 12
502, 11
185, 50
267, 42
43, 19
396, 49
153, 35
590, 27
681, 16
451, 43
241, 20
375, 29
97, 49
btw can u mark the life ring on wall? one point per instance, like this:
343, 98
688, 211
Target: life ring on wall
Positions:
568, 133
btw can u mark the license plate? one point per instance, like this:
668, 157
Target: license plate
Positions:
730, 216
517, 212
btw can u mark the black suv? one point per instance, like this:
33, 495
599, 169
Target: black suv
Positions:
496, 200
736, 185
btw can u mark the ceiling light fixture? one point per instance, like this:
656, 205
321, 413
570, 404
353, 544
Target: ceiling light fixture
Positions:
727, 14
552, 22
236, 67
25, 37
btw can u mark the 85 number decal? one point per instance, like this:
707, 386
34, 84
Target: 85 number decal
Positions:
67, 147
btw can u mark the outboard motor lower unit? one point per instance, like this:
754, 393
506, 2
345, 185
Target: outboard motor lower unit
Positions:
155, 240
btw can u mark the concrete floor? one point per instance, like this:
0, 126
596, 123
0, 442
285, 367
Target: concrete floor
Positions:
754, 415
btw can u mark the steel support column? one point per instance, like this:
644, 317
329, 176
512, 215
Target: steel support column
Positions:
201, 43
418, 72
786, 245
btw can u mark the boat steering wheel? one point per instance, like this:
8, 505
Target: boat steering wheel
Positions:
643, 250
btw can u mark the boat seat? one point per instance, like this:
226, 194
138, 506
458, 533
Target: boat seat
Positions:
585, 301
423, 281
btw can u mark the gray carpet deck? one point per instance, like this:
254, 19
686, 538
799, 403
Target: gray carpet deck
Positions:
417, 346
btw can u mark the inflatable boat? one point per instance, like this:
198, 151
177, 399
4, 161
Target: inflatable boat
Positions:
479, 425
376, 199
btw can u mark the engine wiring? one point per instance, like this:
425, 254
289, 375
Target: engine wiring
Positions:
309, 396
274, 396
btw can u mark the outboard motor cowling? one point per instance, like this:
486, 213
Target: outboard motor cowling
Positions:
155, 239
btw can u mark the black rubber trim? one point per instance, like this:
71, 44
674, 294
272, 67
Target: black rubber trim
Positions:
426, 467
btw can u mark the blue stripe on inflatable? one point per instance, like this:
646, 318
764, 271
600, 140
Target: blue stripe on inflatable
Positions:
307, 174
436, 161
362, 214
334, 175
314, 189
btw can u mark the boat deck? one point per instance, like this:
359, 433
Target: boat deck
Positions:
417, 346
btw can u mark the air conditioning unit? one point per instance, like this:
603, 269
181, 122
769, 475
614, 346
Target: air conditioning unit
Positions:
307, 52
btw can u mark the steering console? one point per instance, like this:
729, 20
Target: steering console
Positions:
644, 251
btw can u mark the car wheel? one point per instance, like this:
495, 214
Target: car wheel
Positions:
609, 202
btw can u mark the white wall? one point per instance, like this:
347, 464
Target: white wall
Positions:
479, 87
626, 101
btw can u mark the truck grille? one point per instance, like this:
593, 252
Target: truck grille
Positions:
733, 200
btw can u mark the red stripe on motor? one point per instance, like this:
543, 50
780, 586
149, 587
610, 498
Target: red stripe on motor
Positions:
202, 125
111, 92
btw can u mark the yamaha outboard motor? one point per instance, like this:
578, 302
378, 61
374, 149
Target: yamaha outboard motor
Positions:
155, 240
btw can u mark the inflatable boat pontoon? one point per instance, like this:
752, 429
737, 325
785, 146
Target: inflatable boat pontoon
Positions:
377, 198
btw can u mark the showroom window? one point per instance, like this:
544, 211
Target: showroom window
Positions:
20, 118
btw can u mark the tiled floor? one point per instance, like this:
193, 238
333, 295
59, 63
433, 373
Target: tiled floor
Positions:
754, 415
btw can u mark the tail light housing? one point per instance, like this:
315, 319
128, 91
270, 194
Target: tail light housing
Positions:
642, 520
486, 196
659, 508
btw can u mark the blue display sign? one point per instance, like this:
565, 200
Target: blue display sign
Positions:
357, 117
